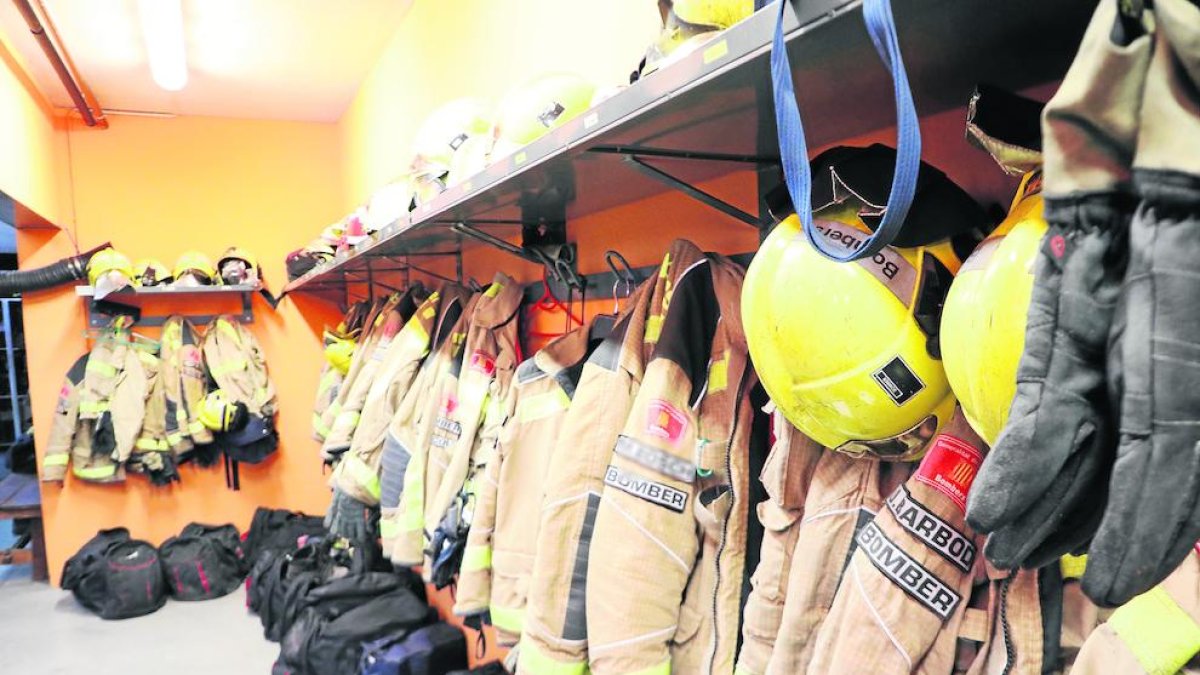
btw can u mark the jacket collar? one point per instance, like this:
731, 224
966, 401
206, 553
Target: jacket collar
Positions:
564, 351
498, 303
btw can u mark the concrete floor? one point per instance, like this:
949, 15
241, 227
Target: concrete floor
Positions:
43, 631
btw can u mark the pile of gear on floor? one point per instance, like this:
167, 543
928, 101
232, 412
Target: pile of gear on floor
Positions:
333, 605
984, 434
462, 138
145, 406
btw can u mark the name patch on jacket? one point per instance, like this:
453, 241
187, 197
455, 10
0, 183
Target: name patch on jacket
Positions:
907, 573
655, 459
644, 488
665, 421
950, 467
929, 528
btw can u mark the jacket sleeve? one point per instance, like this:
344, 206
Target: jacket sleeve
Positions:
475, 574
906, 590
62, 428
786, 476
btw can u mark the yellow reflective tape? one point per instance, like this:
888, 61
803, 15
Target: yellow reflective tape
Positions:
665, 267
88, 407
1156, 630
348, 418
1073, 566
653, 328
319, 425
328, 380
716, 51
532, 661
542, 405
740, 669
228, 329
55, 460
476, 559
152, 444
429, 312
493, 290
175, 438
196, 427
101, 368
363, 475
94, 472
511, 619
388, 528
226, 368
718, 374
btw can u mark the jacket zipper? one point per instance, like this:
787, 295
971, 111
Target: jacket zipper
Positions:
1009, 650
716, 634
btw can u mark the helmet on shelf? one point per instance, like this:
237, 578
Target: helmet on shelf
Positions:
193, 268
533, 109
237, 267
151, 272
109, 270
711, 14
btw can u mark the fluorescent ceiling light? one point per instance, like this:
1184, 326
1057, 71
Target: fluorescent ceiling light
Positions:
162, 26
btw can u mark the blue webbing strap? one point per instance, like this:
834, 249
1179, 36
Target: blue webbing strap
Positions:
793, 149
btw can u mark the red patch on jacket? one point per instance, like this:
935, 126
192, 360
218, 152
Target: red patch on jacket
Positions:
665, 421
450, 404
482, 362
950, 467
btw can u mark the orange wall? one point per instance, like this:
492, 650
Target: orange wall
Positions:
156, 187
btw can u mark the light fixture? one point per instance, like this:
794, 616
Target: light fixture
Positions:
162, 26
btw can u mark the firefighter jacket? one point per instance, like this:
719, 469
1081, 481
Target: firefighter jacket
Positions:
664, 590
1156, 632
358, 472
185, 385
498, 561
353, 394
464, 439
235, 361
556, 629
431, 398
153, 435
366, 339
815, 508
917, 597
99, 415
331, 378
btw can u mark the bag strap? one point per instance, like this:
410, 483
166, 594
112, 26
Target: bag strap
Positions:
793, 147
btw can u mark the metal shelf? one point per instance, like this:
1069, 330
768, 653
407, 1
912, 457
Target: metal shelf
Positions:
710, 115
101, 312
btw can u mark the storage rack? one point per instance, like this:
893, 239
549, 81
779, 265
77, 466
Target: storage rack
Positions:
711, 114
100, 312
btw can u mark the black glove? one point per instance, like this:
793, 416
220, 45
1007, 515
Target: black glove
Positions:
447, 545
1152, 519
347, 517
104, 437
1040, 488
159, 468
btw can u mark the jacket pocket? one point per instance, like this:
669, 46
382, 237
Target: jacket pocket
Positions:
781, 528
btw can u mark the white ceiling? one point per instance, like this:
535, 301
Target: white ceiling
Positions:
269, 59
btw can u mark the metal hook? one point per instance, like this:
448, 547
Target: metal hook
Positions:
622, 274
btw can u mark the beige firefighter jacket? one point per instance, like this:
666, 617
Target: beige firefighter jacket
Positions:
431, 398
464, 440
357, 474
153, 435
106, 387
497, 565
375, 349
184, 384
1156, 632
665, 578
917, 596
367, 338
330, 382
555, 640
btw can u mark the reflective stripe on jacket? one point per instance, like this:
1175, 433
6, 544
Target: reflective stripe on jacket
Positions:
497, 565
556, 631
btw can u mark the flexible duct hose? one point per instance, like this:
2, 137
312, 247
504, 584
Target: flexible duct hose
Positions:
55, 274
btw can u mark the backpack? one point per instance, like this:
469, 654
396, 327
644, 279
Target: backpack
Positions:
328, 635
278, 530
432, 650
203, 562
115, 576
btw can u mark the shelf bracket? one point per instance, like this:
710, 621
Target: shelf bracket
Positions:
694, 192
102, 312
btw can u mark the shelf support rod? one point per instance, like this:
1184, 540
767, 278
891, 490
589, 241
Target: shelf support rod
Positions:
495, 242
693, 192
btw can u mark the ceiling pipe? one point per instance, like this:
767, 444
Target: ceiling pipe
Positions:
89, 96
56, 61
